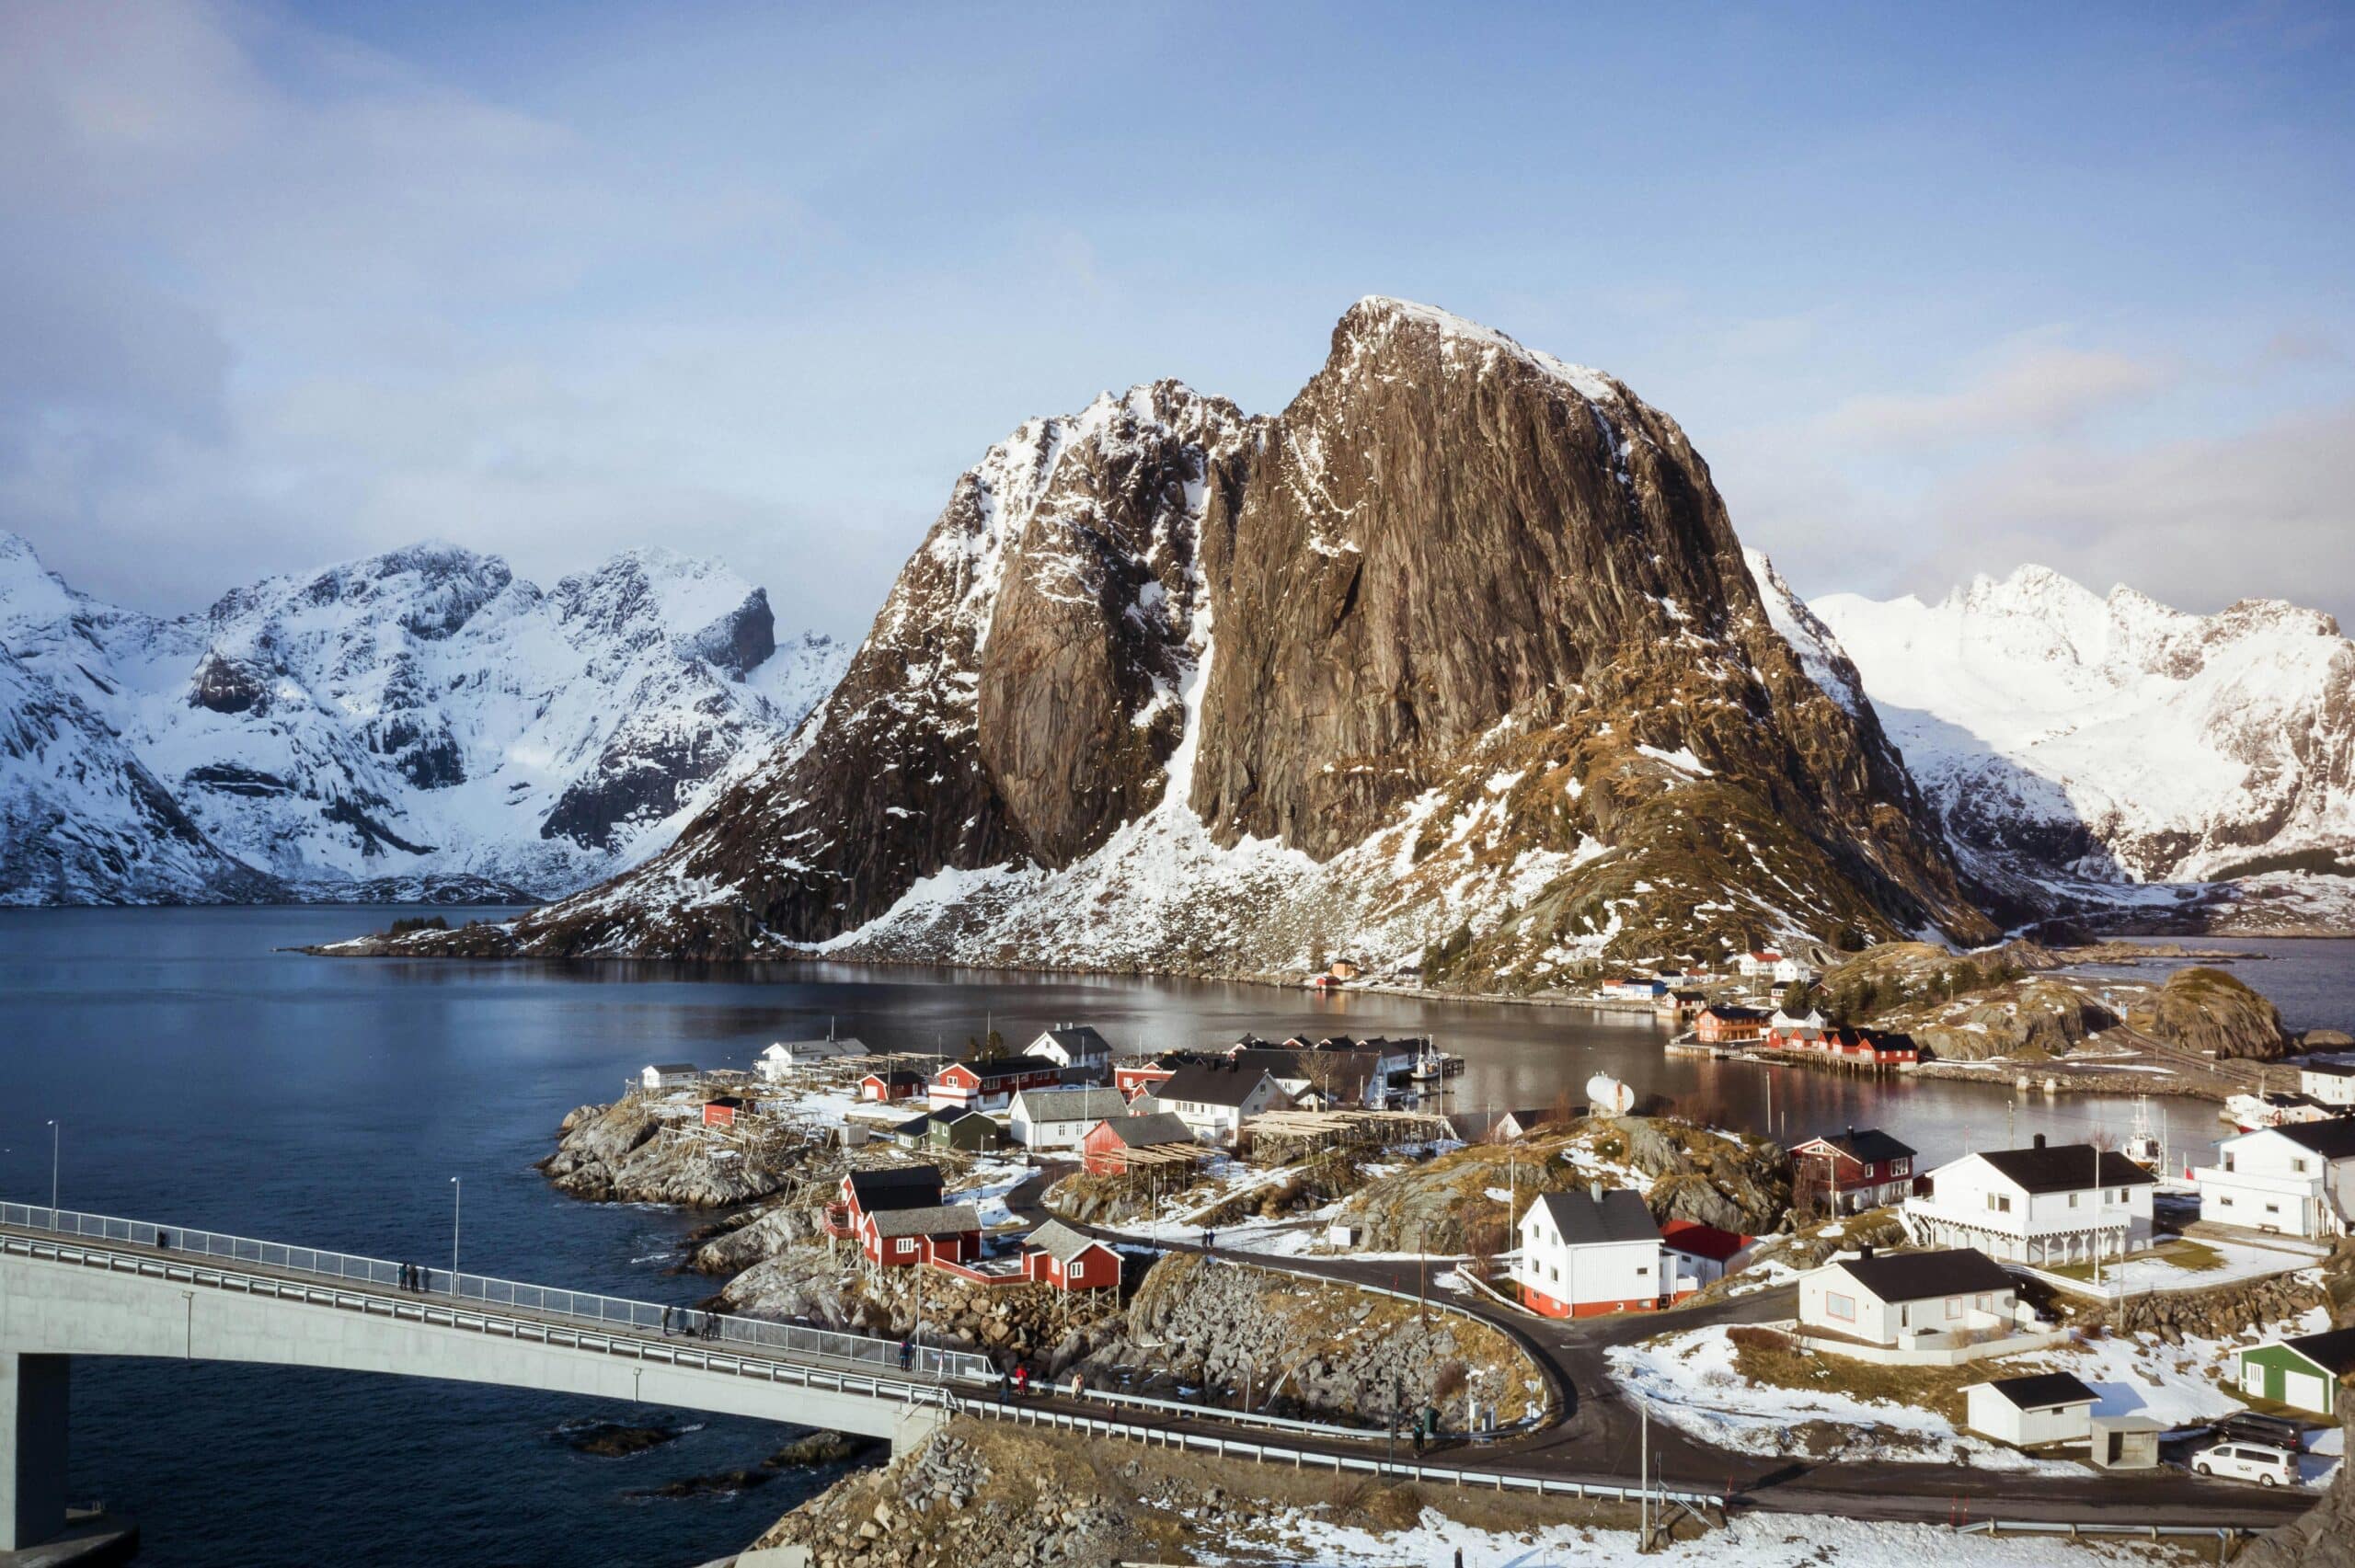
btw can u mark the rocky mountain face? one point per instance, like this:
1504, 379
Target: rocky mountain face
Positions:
421, 723
1455, 665
2094, 748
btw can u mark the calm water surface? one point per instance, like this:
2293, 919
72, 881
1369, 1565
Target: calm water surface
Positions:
206, 1079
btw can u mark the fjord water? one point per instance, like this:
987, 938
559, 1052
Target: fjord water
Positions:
205, 1078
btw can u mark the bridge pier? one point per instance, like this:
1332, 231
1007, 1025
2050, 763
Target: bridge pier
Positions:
33, 1392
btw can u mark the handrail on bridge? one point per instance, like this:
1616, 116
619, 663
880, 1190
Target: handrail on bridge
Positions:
788, 1339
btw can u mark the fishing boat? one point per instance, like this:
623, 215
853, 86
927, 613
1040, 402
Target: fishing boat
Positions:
2145, 1145
1431, 1064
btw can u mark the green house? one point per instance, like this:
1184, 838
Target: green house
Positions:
956, 1127
2302, 1373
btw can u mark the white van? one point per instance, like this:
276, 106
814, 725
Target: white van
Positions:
2260, 1462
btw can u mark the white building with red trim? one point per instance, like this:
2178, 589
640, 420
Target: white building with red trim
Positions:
1584, 1254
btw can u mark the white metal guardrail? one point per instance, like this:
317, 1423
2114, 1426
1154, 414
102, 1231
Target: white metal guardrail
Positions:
1362, 1464
607, 1313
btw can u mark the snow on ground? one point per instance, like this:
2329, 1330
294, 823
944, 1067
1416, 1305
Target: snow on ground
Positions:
992, 1180
1754, 1541
1690, 1380
2237, 1261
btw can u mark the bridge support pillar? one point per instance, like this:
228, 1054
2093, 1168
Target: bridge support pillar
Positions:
33, 1447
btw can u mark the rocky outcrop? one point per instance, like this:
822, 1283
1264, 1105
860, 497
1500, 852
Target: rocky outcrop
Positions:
641, 1149
2207, 1011
2220, 1313
1456, 662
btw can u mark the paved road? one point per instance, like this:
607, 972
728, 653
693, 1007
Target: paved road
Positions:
1597, 1439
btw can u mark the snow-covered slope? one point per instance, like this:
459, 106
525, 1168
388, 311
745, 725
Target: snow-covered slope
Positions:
418, 722
2061, 733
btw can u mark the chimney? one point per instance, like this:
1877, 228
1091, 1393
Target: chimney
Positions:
1865, 1251
2040, 1141
1594, 1191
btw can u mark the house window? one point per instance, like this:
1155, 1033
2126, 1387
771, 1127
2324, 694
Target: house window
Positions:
1984, 1303
1900, 1167
2000, 1202
1643, 1270
1554, 1272
904, 1246
2228, 1162
1841, 1307
2223, 1202
2299, 1166
1954, 1305
2072, 1200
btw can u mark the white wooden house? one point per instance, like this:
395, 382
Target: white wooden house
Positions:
1077, 1049
2329, 1080
1587, 1254
668, 1075
783, 1059
1910, 1300
1215, 1098
1060, 1118
2298, 1180
2059, 1203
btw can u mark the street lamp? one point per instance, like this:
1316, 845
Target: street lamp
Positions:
457, 1196
55, 1132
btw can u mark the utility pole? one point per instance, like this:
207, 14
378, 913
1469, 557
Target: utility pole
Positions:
1644, 1476
457, 1197
55, 1132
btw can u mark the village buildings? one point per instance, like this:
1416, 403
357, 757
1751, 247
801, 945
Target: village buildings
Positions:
668, 1075
2297, 1179
787, 1058
1083, 1055
2041, 1407
1588, 1253
2042, 1205
901, 1238
1696, 1255
1855, 1170
2303, 1373
1918, 1301
991, 1084
889, 1088
2328, 1079
1057, 1255
1725, 1024
1120, 1143
1215, 1099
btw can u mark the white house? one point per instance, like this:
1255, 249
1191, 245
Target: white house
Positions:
2043, 1407
1215, 1098
2063, 1204
782, 1060
1914, 1301
1633, 990
1585, 1253
1076, 1048
1060, 1118
2328, 1079
2298, 1179
668, 1075
1748, 966
1790, 971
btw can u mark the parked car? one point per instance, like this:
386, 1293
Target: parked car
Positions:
2260, 1462
2249, 1426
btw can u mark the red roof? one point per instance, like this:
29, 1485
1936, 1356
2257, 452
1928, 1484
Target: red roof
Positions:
1701, 1240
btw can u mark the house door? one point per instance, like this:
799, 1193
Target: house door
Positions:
2252, 1380
2304, 1390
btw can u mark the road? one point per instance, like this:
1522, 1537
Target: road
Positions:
1597, 1439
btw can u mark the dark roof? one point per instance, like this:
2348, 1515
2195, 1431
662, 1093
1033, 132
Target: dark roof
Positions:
1867, 1144
1733, 1013
899, 1186
1080, 1039
2043, 1390
2329, 1069
898, 1079
1346, 1069
1620, 1216
1917, 1277
1211, 1083
1142, 1132
914, 1127
667, 1068
932, 1219
2333, 1139
2334, 1351
2067, 1167
1007, 1067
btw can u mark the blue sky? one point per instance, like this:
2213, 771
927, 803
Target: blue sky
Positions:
1933, 293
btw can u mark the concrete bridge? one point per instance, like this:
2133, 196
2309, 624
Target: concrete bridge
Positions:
88, 1285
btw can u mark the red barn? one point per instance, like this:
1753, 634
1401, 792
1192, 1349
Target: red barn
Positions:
1057, 1255
900, 1238
887, 1087
722, 1112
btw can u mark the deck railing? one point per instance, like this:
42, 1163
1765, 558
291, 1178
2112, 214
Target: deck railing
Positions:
789, 1341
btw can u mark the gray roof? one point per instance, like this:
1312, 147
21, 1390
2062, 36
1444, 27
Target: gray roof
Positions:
1620, 1216
1060, 1241
1142, 1132
1917, 1277
1210, 1083
1073, 1104
948, 1220
846, 1047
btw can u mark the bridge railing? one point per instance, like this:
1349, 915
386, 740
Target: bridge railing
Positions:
611, 1313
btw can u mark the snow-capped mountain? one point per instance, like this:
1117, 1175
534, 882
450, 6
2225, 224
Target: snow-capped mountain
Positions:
2065, 735
1455, 664
420, 723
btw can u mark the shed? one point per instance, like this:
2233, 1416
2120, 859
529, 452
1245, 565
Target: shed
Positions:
956, 1127
723, 1110
2044, 1407
2125, 1442
1059, 1256
2302, 1373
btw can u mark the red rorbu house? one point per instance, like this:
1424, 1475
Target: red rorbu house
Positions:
1867, 1047
887, 1087
1724, 1024
723, 1110
992, 1085
1057, 1255
1859, 1170
874, 1192
1125, 1143
899, 1238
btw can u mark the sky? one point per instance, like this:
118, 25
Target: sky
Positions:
1934, 292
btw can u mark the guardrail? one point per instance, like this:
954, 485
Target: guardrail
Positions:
1363, 1464
606, 1312
2223, 1535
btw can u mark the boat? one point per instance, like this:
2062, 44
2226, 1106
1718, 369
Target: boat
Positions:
2144, 1146
1431, 1064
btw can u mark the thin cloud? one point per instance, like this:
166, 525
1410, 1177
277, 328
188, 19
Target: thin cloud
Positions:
2029, 388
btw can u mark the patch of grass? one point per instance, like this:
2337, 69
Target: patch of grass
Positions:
1758, 1356
2192, 1257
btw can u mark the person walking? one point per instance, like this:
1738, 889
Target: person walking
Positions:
907, 1354
1005, 1385
1022, 1380
1078, 1384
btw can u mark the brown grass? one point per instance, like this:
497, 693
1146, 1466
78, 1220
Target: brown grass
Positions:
1791, 1366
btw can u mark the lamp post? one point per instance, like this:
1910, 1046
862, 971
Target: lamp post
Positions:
457, 1197
55, 1132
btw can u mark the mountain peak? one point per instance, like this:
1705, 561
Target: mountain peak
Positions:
1378, 322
